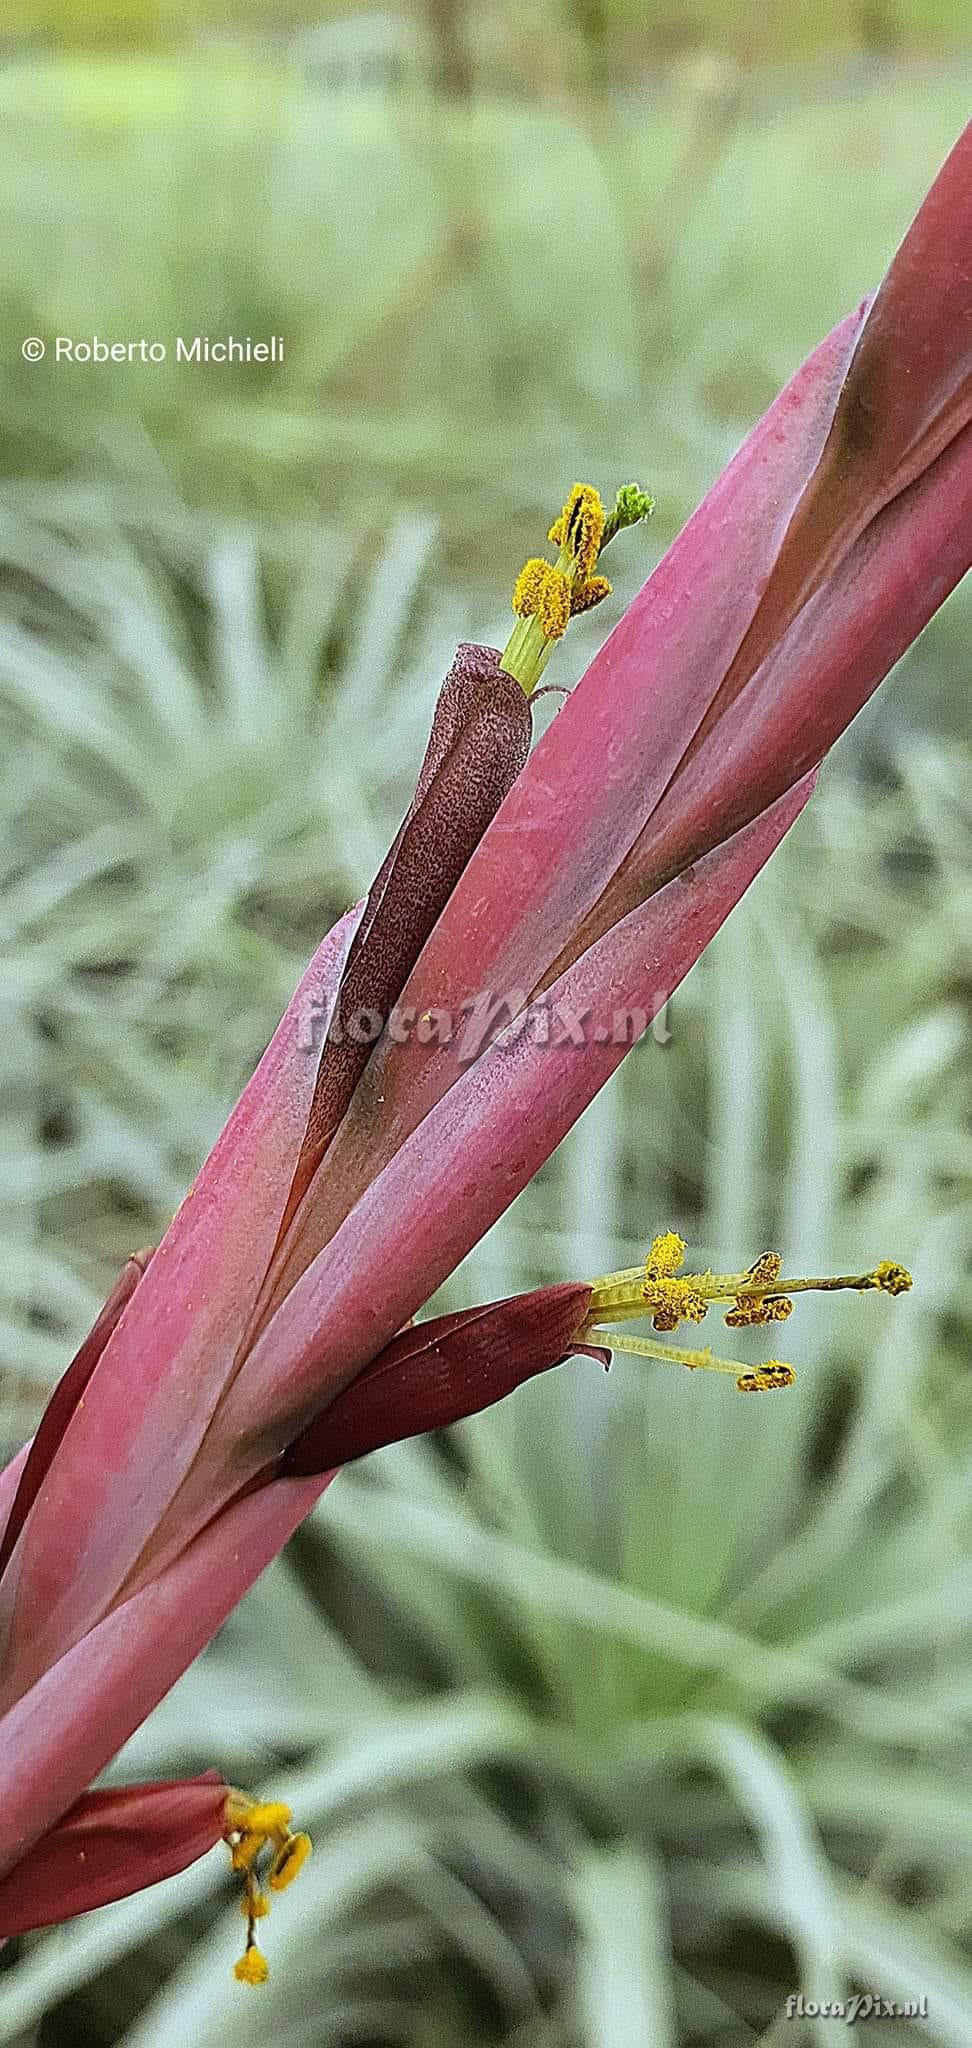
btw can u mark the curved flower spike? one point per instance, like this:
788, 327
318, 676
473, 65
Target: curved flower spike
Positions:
532, 902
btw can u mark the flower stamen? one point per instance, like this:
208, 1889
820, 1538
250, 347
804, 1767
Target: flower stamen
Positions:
260, 1839
547, 595
756, 1297
579, 529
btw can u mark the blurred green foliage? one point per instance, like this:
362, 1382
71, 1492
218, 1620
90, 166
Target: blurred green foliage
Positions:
615, 29
631, 1707
475, 300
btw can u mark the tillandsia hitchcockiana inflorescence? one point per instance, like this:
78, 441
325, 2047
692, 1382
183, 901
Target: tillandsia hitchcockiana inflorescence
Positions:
274, 1333
546, 597
434, 1372
264, 1850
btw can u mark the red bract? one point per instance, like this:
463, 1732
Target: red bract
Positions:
268, 1338
111, 1843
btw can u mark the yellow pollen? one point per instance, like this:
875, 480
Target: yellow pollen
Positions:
259, 1837
672, 1302
253, 1817
553, 605
892, 1279
753, 1310
252, 1967
528, 588
543, 592
585, 596
665, 1257
247, 1849
579, 530
756, 1297
289, 1862
774, 1308
763, 1379
766, 1269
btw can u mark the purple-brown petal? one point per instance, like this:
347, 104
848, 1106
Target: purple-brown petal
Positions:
479, 742
440, 1372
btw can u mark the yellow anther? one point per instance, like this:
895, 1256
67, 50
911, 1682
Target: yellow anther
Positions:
271, 1819
764, 1379
765, 1269
244, 1815
289, 1862
252, 1967
553, 605
579, 530
258, 1835
774, 1308
757, 1308
892, 1279
585, 596
666, 1256
754, 1305
543, 592
246, 1850
528, 588
672, 1302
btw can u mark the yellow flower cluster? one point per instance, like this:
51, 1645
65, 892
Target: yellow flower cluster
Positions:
547, 595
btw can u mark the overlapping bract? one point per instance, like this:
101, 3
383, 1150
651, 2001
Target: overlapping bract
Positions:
87, 1859
267, 1339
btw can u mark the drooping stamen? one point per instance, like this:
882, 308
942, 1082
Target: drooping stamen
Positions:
260, 1840
757, 1296
547, 595
749, 1379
